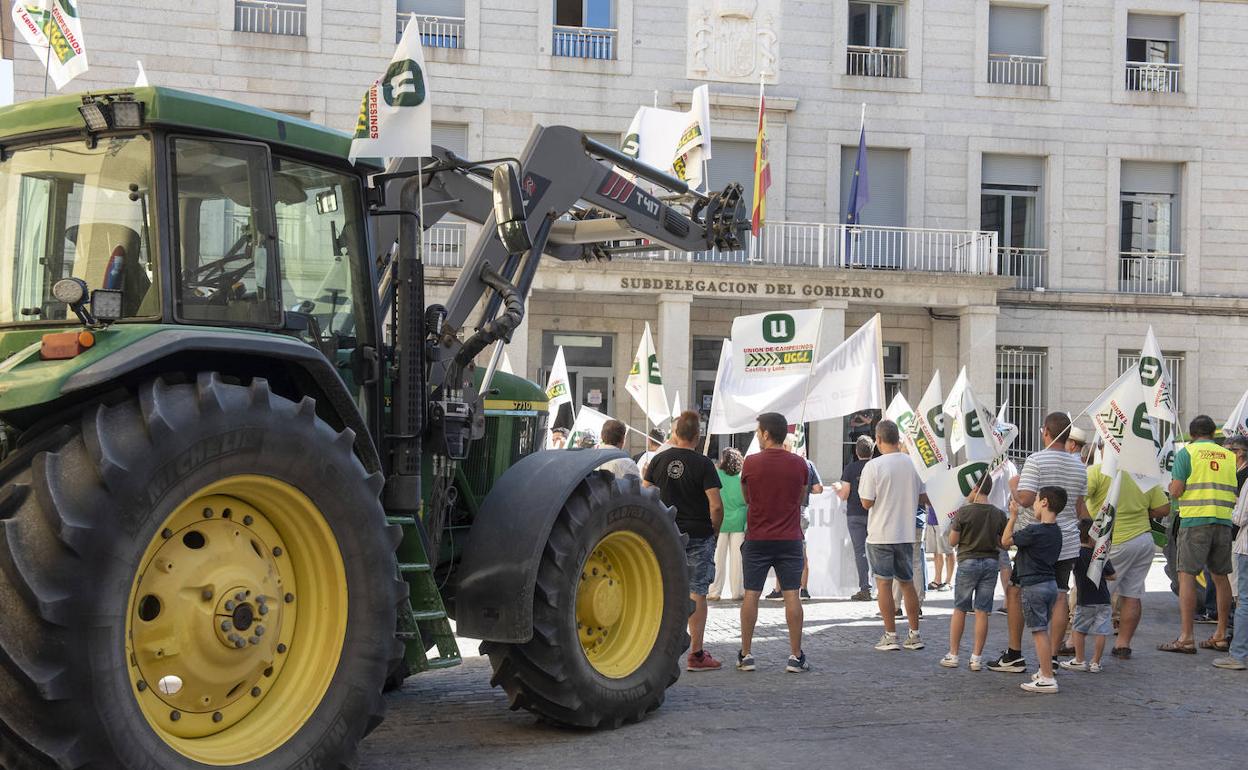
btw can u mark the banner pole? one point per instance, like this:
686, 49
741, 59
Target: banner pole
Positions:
810, 375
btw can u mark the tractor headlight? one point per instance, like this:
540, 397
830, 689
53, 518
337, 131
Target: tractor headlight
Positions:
127, 113
106, 304
101, 113
93, 115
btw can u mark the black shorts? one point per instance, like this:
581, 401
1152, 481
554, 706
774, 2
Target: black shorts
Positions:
786, 556
1061, 573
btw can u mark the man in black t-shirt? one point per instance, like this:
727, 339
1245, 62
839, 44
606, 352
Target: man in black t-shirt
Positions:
856, 515
688, 481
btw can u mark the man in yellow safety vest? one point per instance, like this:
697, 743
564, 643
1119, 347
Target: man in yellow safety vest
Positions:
1203, 482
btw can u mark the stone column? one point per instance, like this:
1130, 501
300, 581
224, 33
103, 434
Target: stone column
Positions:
826, 436
674, 344
977, 350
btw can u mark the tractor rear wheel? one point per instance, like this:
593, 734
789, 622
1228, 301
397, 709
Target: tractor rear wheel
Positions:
199, 577
610, 611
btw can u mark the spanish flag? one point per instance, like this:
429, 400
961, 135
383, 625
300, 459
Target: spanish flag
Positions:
762, 167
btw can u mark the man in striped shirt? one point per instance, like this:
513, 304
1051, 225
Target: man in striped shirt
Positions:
1051, 467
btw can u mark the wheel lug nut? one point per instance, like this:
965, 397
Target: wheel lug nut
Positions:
290, 598
240, 596
264, 610
206, 594
255, 692
281, 648
240, 643
259, 630
175, 716
254, 640
207, 513
227, 625
166, 533
141, 685
247, 521
230, 605
277, 551
216, 716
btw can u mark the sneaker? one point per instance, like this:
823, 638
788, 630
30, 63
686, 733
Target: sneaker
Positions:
1077, 665
862, 596
1009, 665
775, 595
1002, 611
888, 642
701, 661
949, 661
797, 665
977, 663
1206, 618
804, 594
1122, 653
913, 641
1040, 684
897, 614
1230, 664
1094, 668
744, 662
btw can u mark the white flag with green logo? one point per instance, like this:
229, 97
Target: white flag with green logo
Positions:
675, 143
778, 343
925, 448
54, 32
586, 431
558, 391
396, 117
1103, 529
1237, 423
1158, 387
1127, 430
948, 489
645, 381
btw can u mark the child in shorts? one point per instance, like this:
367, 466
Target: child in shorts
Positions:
1039, 545
976, 532
1093, 613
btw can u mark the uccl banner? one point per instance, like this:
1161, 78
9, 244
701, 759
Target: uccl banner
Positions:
777, 343
1121, 417
924, 447
396, 118
54, 32
675, 143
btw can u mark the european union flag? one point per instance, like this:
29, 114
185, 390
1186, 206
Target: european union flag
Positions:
858, 186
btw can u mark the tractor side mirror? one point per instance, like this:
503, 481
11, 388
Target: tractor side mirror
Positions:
509, 215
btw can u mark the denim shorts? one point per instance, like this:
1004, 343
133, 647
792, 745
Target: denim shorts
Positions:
1038, 601
975, 582
1094, 619
700, 556
892, 561
787, 557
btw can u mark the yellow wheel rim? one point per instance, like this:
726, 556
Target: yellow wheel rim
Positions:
236, 620
619, 604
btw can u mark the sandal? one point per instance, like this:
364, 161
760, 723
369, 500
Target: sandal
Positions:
1221, 645
1123, 653
1187, 648
932, 586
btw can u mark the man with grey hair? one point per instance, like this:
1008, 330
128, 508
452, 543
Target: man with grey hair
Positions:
856, 515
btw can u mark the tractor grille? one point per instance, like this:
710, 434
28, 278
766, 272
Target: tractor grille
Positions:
478, 467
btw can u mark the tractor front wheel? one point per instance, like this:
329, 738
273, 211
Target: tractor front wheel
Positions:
199, 577
610, 611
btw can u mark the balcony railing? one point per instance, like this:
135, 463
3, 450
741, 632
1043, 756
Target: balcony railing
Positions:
1016, 70
584, 42
876, 62
445, 244
1154, 76
271, 18
435, 31
1153, 272
1028, 265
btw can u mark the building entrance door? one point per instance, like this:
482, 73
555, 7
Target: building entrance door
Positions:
593, 386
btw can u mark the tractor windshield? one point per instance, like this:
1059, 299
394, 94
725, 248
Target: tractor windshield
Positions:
69, 210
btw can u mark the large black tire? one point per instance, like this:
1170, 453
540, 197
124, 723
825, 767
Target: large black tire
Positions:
75, 519
550, 675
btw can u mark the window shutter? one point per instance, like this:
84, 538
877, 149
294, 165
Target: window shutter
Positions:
886, 177
733, 161
452, 136
1148, 27
1013, 170
452, 8
1145, 177
1018, 31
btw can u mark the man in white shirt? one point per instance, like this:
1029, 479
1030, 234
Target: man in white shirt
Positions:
890, 490
613, 434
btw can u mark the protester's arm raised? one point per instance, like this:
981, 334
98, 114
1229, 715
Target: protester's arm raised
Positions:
1007, 537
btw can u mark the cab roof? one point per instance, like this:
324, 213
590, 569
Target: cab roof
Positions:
172, 108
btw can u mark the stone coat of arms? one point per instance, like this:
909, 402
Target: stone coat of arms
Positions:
734, 40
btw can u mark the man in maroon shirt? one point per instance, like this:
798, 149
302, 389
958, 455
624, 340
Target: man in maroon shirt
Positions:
773, 482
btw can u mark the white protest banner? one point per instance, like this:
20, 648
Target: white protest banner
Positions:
53, 31
645, 381
1103, 529
777, 343
588, 424
396, 117
1123, 423
1237, 423
558, 391
947, 490
954, 432
1158, 389
848, 379
921, 442
978, 438
675, 143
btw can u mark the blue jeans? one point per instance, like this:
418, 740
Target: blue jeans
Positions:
1038, 601
700, 556
892, 561
858, 536
1239, 646
972, 588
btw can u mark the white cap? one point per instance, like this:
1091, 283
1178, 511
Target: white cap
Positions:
1078, 435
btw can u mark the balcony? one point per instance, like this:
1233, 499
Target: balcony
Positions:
876, 62
445, 244
1027, 265
1154, 76
271, 18
435, 31
584, 43
1152, 272
1016, 70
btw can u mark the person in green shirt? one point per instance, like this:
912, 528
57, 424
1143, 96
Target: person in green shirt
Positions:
1131, 547
732, 531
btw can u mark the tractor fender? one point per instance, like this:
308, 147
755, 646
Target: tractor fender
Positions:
494, 597
156, 352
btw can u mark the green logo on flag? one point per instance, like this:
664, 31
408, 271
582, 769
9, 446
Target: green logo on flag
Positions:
1150, 370
970, 476
779, 328
655, 377
403, 85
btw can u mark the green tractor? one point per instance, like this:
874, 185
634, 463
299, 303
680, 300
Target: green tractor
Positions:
246, 473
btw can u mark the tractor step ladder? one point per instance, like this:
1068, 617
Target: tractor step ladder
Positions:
423, 619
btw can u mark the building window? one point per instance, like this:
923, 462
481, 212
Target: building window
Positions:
584, 29
1010, 204
446, 241
879, 240
1153, 53
876, 40
1021, 375
1016, 45
1150, 259
441, 22
863, 422
272, 18
1174, 365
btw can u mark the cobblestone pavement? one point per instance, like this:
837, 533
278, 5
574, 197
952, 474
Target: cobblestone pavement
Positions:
856, 708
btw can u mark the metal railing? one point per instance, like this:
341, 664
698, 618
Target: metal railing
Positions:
435, 31
271, 18
1021, 375
1174, 365
1157, 77
584, 42
1153, 272
1016, 70
445, 244
1028, 265
876, 62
